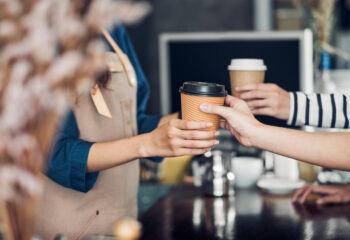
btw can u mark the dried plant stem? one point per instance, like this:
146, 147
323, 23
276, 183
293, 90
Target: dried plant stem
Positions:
322, 13
18, 218
47, 46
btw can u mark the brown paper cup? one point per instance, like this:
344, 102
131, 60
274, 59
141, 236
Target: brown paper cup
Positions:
240, 78
190, 109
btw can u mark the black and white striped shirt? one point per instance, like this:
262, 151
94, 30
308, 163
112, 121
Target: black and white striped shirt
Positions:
319, 110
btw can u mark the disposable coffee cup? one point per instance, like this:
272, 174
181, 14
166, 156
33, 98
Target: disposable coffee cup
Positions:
246, 71
193, 94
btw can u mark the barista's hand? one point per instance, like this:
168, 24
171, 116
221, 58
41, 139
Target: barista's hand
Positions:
266, 99
328, 194
179, 137
236, 117
167, 118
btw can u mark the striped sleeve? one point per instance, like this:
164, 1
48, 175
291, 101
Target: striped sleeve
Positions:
319, 110
297, 109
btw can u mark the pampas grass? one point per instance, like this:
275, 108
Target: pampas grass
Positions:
322, 13
48, 48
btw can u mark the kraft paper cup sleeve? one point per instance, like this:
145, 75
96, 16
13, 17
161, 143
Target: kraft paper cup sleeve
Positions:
190, 109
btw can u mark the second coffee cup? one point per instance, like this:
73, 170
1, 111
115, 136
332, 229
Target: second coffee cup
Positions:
193, 94
246, 71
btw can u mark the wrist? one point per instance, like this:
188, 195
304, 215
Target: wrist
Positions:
290, 108
145, 145
286, 109
258, 135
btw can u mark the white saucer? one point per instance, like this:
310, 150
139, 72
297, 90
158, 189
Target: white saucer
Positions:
277, 185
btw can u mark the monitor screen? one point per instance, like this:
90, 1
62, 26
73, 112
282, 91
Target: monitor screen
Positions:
207, 61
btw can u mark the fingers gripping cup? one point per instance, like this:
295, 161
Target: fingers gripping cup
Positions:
193, 94
246, 71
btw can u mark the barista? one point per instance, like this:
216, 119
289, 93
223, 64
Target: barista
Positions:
94, 173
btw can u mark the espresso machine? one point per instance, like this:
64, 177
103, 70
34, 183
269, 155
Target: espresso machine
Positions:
218, 178
214, 171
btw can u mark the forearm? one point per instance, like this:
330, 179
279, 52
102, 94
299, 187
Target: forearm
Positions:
106, 155
325, 149
175, 138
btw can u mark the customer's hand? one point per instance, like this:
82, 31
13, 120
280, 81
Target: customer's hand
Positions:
236, 117
266, 99
328, 194
179, 137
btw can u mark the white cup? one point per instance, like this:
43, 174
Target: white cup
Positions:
246, 71
285, 167
247, 171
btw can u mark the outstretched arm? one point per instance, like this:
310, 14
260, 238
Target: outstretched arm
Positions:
75, 163
329, 150
325, 149
174, 138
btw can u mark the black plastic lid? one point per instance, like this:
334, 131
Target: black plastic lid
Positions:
203, 89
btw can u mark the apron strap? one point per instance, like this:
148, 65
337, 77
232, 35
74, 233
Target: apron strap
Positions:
99, 102
129, 70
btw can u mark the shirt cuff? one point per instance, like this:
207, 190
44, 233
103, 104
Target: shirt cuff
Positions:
156, 159
148, 124
80, 179
291, 109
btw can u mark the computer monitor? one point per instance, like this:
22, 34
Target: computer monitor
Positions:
205, 56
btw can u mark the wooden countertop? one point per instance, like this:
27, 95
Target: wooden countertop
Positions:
184, 213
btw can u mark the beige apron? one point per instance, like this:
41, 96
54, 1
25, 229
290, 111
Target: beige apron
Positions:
114, 195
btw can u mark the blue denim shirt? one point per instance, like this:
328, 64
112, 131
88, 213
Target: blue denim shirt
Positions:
69, 154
